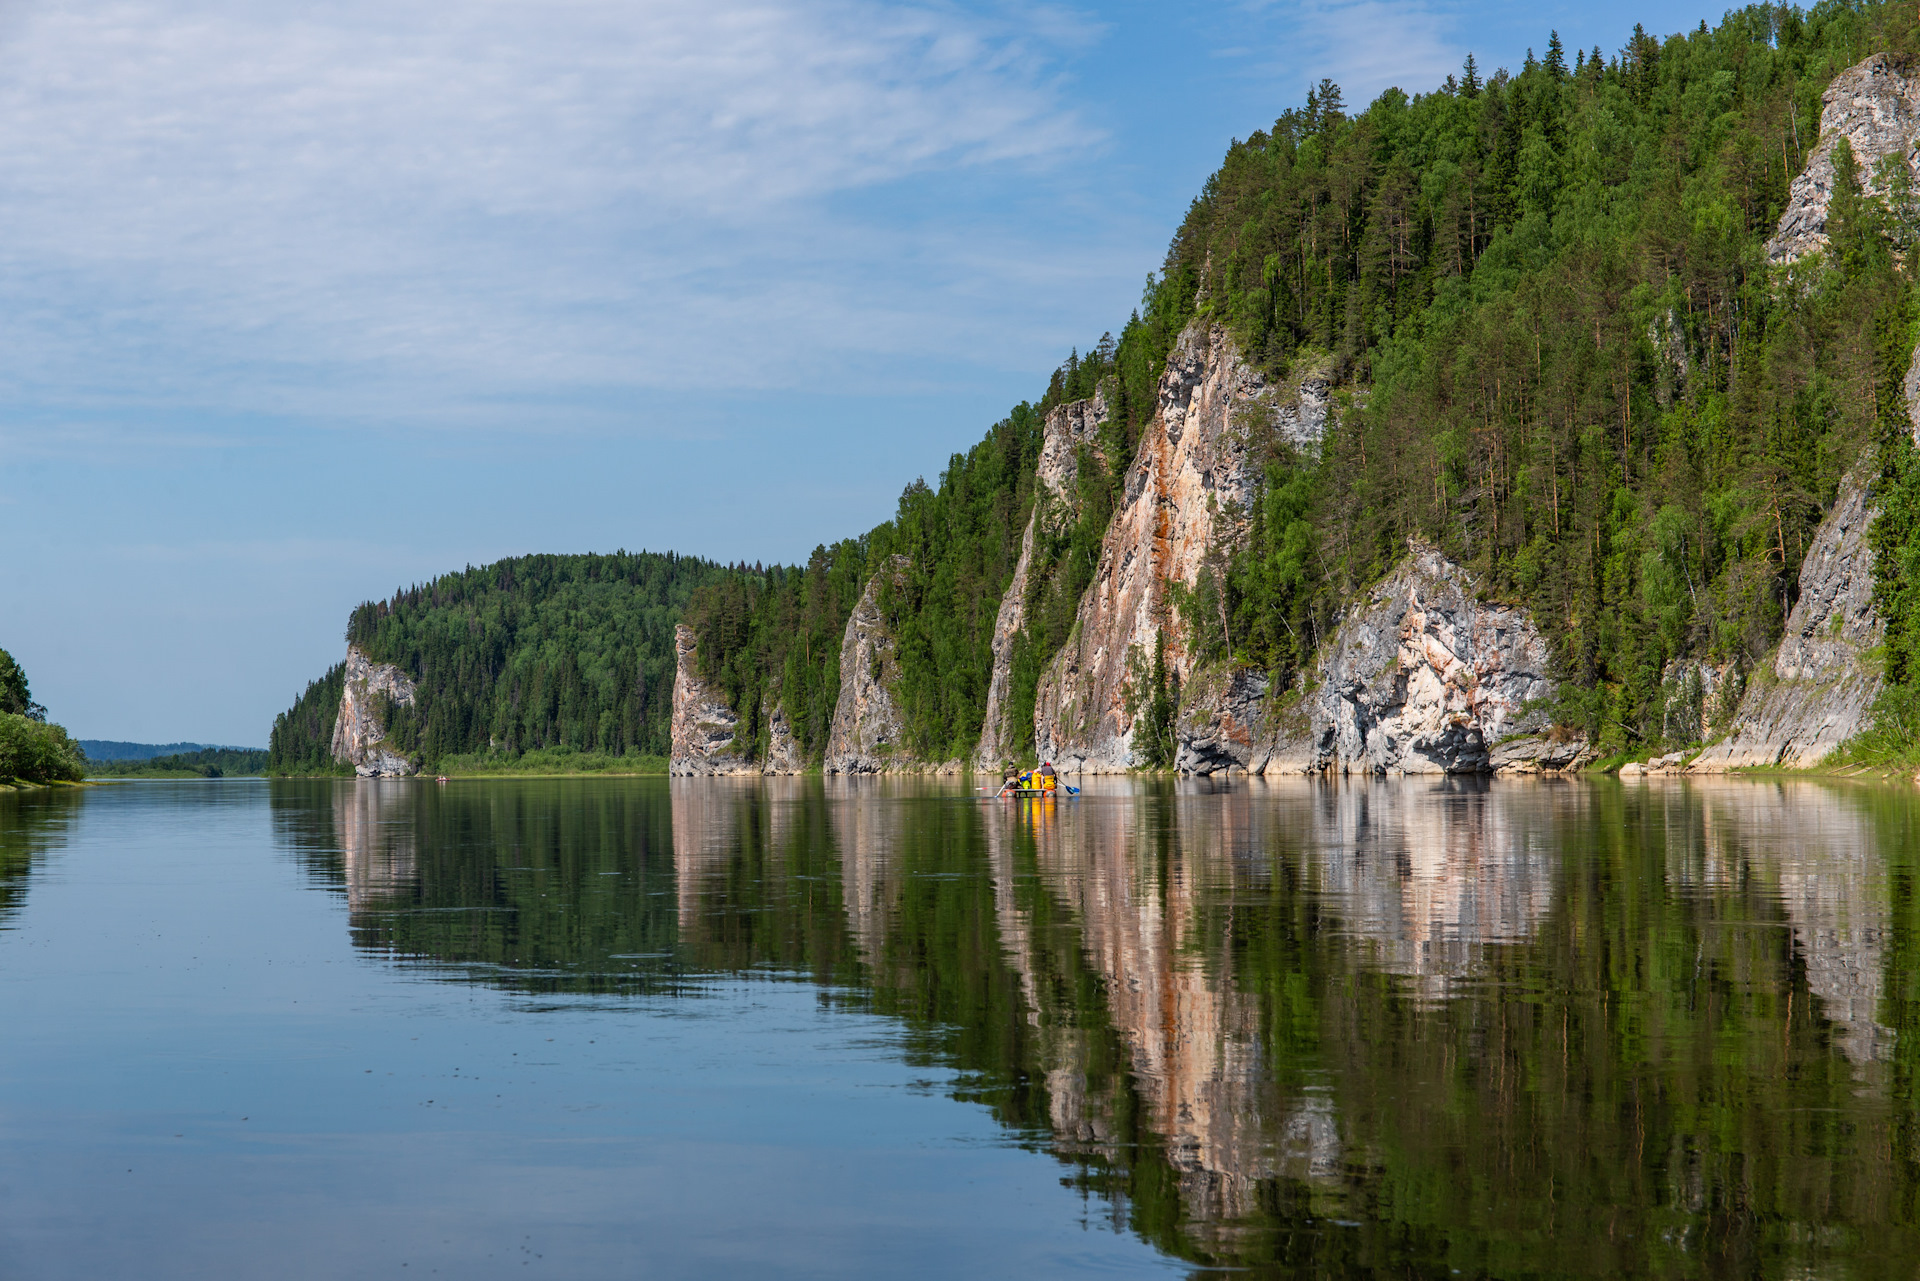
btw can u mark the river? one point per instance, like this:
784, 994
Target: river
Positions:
796, 1028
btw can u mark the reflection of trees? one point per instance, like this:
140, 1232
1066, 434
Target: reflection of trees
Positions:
1318, 1027
537, 885
31, 823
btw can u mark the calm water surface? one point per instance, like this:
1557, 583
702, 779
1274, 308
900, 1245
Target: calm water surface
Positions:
800, 1028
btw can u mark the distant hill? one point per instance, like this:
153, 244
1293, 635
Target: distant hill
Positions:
102, 749
208, 762
535, 652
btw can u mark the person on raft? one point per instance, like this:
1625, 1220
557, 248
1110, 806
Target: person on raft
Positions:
1047, 779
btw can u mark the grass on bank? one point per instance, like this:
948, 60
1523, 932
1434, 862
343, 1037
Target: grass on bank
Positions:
547, 761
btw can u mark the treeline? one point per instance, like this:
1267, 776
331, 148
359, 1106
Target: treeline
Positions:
1583, 379
208, 762
773, 636
536, 652
31, 750
1561, 354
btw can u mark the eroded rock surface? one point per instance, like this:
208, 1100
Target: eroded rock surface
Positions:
783, 749
703, 726
869, 734
1187, 494
1819, 689
1875, 106
359, 734
1425, 677
1069, 429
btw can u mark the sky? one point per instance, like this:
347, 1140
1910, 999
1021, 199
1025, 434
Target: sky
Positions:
303, 303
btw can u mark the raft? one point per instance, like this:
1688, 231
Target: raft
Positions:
1041, 792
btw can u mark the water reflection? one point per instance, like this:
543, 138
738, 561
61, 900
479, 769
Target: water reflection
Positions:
31, 823
1299, 1027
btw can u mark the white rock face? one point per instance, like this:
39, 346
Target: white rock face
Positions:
868, 735
1425, 677
1188, 491
1875, 106
358, 735
1819, 689
783, 749
703, 725
1069, 429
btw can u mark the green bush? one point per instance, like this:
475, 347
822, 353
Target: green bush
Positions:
38, 752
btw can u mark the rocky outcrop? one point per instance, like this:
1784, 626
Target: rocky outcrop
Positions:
783, 749
1426, 677
1302, 420
703, 726
1818, 690
1875, 106
1070, 429
869, 734
1186, 498
360, 731
1422, 676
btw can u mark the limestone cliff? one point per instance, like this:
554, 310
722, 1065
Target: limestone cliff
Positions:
1818, 689
1427, 677
1069, 429
703, 726
359, 731
783, 749
1875, 106
868, 734
1187, 494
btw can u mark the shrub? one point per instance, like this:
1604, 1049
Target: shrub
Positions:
38, 752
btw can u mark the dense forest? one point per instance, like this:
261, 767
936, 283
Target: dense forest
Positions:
1561, 355
537, 652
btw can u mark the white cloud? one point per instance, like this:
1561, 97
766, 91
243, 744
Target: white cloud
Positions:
298, 208
1367, 46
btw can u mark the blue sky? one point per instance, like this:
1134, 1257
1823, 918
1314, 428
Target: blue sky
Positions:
302, 303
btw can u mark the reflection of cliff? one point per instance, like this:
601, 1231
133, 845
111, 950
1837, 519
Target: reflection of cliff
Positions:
1427, 878
866, 828
373, 821
1833, 886
1194, 1034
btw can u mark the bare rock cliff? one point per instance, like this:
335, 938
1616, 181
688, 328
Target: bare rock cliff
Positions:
1875, 106
359, 735
1818, 690
1069, 429
703, 725
783, 749
1426, 677
1187, 493
869, 734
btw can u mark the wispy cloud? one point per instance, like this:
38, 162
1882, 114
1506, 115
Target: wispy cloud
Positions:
323, 208
1365, 46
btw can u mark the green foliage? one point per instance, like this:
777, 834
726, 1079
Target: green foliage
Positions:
1581, 379
302, 738
1152, 701
38, 752
526, 654
549, 761
210, 762
15, 698
1565, 360
773, 636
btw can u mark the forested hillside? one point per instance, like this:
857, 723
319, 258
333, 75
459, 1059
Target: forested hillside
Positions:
530, 653
1560, 355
